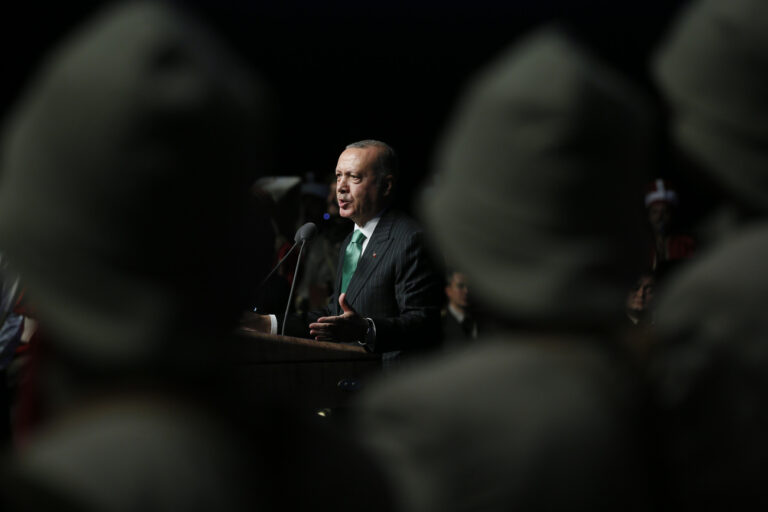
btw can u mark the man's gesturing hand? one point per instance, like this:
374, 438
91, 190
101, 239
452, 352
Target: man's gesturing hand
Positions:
348, 326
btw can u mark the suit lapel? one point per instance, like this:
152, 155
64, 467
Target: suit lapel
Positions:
368, 262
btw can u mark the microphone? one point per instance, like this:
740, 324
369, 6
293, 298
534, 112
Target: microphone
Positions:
303, 234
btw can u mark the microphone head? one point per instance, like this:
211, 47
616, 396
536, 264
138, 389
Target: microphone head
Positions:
306, 232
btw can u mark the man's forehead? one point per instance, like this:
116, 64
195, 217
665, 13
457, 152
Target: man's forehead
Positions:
359, 159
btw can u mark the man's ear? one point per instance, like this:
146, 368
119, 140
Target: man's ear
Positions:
387, 184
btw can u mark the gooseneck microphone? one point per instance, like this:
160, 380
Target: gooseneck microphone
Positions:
304, 233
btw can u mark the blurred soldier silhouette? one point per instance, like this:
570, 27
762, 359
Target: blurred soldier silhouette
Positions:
709, 372
710, 364
545, 416
711, 70
125, 207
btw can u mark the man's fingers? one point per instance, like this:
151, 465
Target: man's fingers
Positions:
321, 332
332, 320
321, 325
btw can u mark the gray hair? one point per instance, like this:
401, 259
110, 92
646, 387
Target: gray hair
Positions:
386, 162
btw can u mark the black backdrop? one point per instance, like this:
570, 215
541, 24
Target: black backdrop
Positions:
345, 70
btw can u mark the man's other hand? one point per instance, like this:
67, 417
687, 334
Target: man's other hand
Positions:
347, 327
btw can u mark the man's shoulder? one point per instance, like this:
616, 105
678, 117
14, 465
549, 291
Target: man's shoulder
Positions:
448, 319
401, 223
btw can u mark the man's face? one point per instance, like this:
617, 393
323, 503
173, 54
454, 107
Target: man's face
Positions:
359, 195
641, 295
457, 291
659, 214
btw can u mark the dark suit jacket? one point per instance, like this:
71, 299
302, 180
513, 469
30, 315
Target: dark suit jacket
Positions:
395, 284
453, 332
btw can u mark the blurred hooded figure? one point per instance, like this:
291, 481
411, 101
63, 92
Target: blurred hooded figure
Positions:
710, 373
712, 72
534, 199
124, 195
124, 205
709, 367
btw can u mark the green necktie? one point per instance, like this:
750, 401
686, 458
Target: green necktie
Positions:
351, 257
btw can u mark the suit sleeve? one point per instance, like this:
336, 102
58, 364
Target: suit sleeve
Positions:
418, 291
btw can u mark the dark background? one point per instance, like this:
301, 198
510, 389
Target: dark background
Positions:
344, 71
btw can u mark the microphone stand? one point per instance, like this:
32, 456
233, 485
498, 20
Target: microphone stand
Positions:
293, 284
280, 262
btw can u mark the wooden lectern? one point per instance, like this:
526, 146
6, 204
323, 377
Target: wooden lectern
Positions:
302, 372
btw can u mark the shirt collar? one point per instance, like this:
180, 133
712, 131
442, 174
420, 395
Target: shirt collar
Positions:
458, 315
370, 226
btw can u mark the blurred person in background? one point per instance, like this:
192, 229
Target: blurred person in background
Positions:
708, 368
639, 299
549, 414
711, 72
459, 322
125, 203
661, 202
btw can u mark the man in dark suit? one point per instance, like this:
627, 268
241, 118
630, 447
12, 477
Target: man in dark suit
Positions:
387, 293
389, 299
